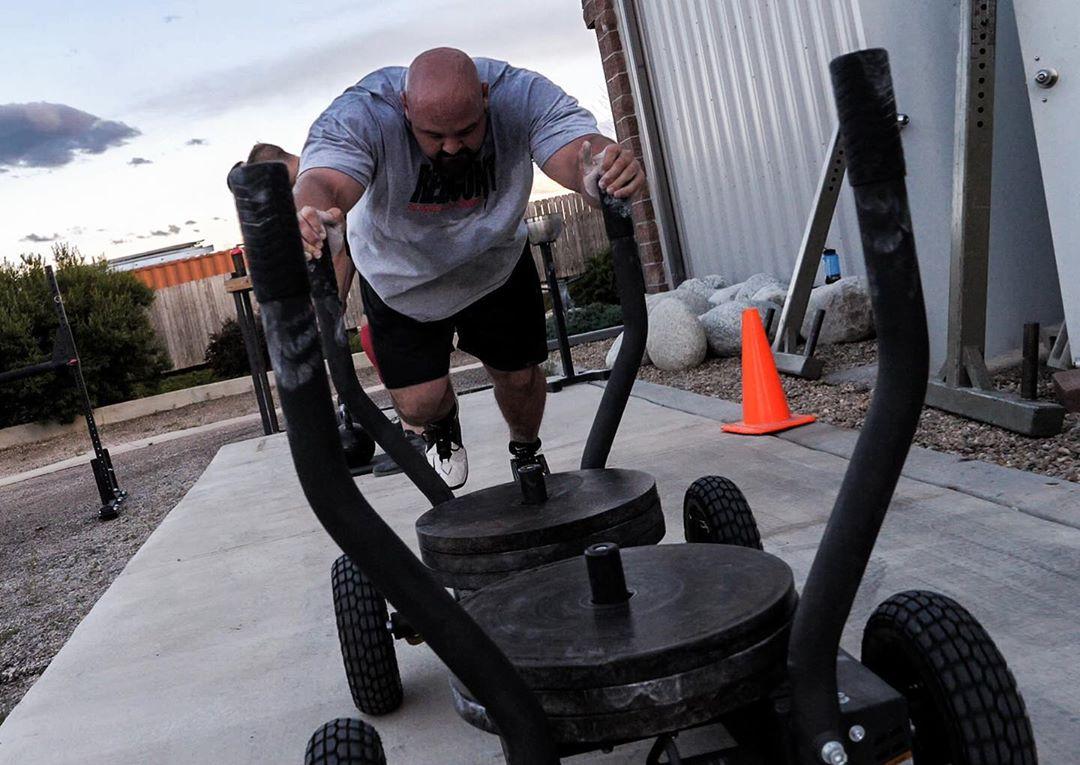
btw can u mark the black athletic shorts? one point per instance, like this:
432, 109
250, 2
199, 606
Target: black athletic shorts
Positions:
505, 329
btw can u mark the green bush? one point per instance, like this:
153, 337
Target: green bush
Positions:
587, 318
597, 283
107, 311
184, 381
226, 354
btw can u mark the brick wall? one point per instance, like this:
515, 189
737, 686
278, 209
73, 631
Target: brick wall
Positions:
600, 16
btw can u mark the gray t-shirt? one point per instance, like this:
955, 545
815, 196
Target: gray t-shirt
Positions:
428, 246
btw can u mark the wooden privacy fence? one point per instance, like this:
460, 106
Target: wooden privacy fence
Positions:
186, 315
582, 237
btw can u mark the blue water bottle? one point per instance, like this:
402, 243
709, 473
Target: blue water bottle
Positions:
832, 265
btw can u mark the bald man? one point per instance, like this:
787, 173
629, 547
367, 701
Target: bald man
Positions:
432, 165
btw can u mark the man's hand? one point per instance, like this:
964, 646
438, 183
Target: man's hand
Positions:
317, 226
615, 170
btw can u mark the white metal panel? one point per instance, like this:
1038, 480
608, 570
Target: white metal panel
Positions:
1048, 39
922, 38
745, 113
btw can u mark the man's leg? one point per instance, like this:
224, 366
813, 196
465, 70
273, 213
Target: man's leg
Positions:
521, 396
414, 363
505, 329
420, 405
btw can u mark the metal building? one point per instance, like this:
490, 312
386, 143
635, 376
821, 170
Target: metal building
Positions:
740, 123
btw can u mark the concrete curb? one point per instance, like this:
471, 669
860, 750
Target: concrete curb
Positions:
1045, 497
32, 432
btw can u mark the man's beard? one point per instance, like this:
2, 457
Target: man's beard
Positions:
455, 166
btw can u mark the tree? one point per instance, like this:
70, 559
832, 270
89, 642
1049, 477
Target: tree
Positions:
108, 314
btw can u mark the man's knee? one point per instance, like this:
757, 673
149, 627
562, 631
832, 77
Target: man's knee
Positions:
423, 403
520, 381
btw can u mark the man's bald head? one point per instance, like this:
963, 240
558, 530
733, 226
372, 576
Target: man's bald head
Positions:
446, 104
443, 84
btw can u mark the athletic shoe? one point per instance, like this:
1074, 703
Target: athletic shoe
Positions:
524, 453
445, 452
384, 464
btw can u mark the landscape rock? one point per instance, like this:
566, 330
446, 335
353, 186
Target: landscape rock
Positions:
848, 317
697, 287
754, 284
654, 299
695, 301
715, 281
774, 293
676, 338
723, 328
613, 352
723, 324
725, 294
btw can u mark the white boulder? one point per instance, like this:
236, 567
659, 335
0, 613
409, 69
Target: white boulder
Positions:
754, 284
695, 301
697, 286
848, 317
676, 338
725, 294
613, 352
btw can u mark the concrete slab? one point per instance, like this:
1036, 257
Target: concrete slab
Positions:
217, 642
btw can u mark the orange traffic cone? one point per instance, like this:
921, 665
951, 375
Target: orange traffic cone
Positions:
765, 408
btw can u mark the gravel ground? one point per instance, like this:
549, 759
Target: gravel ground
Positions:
29, 456
846, 404
57, 558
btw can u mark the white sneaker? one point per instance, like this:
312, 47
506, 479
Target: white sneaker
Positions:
445, 452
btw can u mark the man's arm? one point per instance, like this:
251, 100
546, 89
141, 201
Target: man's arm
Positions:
344, 270
323, 198
619, 171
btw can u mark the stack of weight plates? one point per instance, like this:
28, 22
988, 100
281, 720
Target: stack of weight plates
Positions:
704, 632
481, 538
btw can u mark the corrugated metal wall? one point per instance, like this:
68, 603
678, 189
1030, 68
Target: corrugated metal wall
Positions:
746, 116
744, 102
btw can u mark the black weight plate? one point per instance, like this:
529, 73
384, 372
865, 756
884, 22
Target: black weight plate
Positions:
624, 713
497, 519
474, 581
691, 603
519, 560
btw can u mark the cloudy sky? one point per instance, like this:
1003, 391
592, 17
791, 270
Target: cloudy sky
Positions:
119, 119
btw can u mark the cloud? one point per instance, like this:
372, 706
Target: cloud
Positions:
171, 18
119, 241
158, 232
196, 142
140, 161
173, 229
217, 218
76, 231
40, 238
3, 170
48, 135
189, 223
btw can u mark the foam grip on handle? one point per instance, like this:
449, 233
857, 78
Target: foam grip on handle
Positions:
866, 107
275, 252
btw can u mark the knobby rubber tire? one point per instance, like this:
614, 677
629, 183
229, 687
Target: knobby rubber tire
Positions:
715, 510
367, 645
345, 742
963, 702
